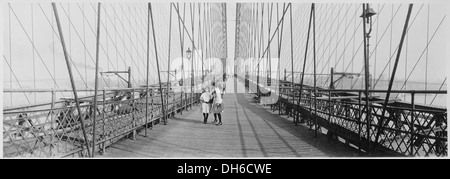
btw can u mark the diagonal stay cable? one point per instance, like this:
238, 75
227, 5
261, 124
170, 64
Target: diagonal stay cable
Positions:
336, 17
331, 37
274, 33
37, 52
334, 50
122, 38
18, 82
115, 45
353, 37
184, 26
76, 32
137, 15
439, 90
428, 43
373, 51
393, 53
70, 56
103, 49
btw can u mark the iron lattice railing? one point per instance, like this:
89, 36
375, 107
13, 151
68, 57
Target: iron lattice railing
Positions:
406, 129
56, 132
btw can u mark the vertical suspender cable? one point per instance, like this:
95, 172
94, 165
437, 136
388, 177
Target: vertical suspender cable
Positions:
375, 59
32, 49
96, 78
168, 58
257, 46
157, 62
315, 78
107, 48
200, 35
192, 55
124, 49
71, 77
406, 63
147, 76
84, 51
292, 59
115, 41
278, 56
10, 55
53, 54
353, 48
390, 38
17, 80
269, 61
426, 60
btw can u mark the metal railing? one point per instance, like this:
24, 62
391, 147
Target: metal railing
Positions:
406, 129
54, 129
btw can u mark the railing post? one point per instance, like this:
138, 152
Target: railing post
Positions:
368, 122
280, 97
329, 106
181, 102
412, 124
174, 104
133, 106
359, 116
51, 120
152, 102
310, 109
185, 101
104, 120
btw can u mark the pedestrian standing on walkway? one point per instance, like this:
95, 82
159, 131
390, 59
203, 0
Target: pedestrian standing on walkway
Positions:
217, 106
206, 106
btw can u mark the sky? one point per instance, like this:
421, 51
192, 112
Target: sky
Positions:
122, 39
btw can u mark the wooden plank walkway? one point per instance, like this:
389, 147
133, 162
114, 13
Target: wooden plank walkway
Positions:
248, 130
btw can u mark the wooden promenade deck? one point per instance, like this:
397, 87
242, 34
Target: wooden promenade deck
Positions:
248, 130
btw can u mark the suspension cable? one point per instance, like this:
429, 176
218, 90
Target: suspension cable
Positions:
18, 82
439, 89
29, 39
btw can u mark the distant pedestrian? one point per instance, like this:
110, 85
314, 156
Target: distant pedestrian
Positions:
217, 106
205, 98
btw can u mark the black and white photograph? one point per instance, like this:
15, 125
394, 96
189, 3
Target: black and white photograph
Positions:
224, 80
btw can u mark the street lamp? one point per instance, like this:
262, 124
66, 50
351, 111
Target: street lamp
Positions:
367, 17
189, 55
368, 13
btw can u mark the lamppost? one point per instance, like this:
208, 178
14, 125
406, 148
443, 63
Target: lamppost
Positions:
367, 18
189, 55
